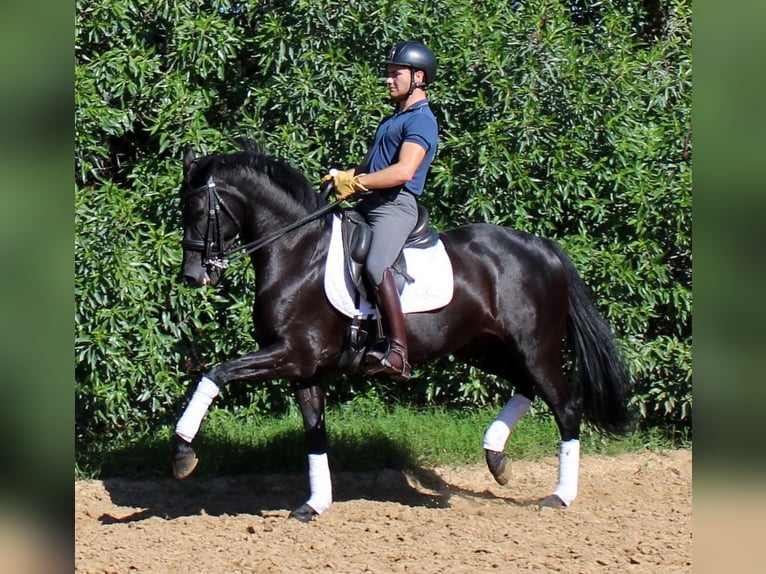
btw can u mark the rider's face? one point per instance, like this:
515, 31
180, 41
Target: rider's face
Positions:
398, 80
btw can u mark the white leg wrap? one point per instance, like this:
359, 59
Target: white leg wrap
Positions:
498, 432
203, 396
320, 483
569, 467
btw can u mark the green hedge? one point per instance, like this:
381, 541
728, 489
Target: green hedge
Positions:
568, 120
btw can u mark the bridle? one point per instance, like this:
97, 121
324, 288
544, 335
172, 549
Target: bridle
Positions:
216, 250
214, 247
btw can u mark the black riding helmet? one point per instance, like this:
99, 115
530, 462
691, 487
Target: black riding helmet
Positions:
415, 56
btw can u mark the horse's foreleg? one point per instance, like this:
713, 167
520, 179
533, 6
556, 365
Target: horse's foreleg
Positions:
497, 434
200, 402
185, 460
271, 362
311, 401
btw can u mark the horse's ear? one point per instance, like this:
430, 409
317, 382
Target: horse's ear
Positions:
189, 158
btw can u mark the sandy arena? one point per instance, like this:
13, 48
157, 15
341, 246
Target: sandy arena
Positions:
633, 514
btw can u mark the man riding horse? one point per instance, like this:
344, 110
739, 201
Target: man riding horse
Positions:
393, 171
523, 314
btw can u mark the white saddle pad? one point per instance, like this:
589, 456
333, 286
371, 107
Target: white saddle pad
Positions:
430, 268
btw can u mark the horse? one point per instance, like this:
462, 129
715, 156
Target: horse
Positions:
519, 311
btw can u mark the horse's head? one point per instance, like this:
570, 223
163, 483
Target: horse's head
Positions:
209, 224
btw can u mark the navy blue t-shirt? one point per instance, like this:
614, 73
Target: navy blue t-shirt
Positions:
416, 124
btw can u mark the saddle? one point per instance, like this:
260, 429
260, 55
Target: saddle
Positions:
357, 236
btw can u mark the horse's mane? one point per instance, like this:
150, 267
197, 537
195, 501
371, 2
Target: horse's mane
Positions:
253, 159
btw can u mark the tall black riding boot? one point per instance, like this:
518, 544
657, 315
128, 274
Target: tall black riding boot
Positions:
393, 360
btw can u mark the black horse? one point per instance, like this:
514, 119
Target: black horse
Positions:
519, 311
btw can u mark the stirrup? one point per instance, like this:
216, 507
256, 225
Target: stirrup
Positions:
377, 363
406, 372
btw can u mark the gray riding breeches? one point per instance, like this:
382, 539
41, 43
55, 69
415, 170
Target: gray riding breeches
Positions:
392, 216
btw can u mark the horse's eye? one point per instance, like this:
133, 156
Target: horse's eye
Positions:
192, 214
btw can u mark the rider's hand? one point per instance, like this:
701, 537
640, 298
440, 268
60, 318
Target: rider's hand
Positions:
344, 184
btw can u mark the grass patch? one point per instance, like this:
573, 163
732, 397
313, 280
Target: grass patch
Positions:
365, 434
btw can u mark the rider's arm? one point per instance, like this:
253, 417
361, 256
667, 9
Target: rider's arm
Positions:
410, 157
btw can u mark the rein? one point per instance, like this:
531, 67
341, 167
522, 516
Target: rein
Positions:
249, 248
214, 237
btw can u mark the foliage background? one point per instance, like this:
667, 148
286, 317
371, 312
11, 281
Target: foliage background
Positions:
570, 120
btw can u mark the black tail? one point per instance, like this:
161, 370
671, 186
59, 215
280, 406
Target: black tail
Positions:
599, 368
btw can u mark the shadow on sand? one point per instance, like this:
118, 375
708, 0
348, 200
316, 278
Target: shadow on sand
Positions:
270, 479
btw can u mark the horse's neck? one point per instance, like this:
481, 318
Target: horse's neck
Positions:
289, 262
294, 252
271, 211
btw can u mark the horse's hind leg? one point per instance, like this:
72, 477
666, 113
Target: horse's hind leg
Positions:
566, 405
498, 433
310, 398
540, 372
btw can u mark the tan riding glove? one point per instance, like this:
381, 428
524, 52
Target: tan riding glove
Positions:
344, 184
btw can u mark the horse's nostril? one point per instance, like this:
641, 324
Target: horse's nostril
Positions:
189, 280
197, 279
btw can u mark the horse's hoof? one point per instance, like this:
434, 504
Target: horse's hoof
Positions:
552, 501
499, 465
185, 460
304, 513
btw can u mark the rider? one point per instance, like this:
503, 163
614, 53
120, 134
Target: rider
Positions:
394, 171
